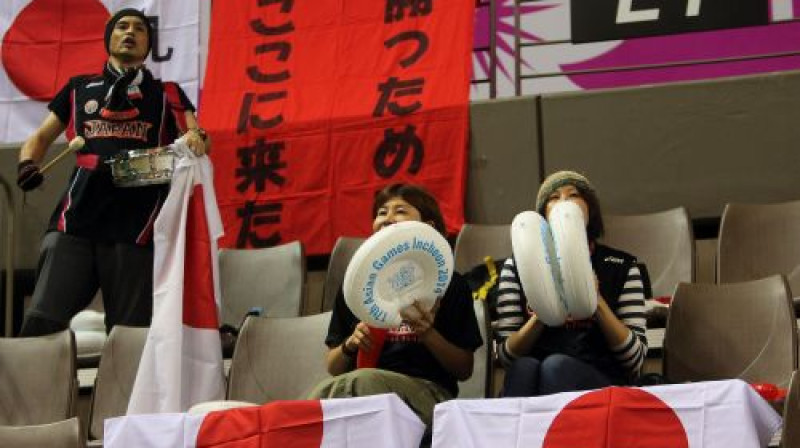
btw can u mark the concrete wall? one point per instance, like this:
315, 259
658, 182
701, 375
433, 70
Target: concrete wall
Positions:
699, 145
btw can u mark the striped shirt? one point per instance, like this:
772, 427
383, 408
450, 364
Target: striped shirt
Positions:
512, 312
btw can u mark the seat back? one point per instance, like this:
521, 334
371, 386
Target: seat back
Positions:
663, 241
479, 385
757, 240
476, 241
790, 438
278, 358
38, 379
271, 279
60, 434
741, 330
342, 252
116, 373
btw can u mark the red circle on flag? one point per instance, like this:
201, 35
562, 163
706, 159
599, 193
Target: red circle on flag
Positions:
618, 417
51, 41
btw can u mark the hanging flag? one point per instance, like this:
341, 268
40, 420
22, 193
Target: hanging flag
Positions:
719, 414
315, 106
182, 360
43, 43
379, 421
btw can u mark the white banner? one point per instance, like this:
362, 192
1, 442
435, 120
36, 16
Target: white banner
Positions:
45, 42
380, 421
718, 414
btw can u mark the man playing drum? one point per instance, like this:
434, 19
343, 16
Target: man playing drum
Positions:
100, 235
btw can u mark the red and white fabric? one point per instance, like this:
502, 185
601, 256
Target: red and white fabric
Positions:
182, 360
43, 43
719, 414
379, 421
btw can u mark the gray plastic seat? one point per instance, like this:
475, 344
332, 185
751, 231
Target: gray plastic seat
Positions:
757, 240
342, 252
38, 379
479, 385
663, 241
790, 437
270, 279
116, 373
60, 434
278, 358
743, 330
476, 241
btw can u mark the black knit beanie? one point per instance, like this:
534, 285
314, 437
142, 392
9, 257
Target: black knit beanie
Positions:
125, 13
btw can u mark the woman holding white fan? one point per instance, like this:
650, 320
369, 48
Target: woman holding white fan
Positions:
402, 306
566, 323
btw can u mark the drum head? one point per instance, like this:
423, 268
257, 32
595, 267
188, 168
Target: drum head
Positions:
569, 233
397, 265
538, 267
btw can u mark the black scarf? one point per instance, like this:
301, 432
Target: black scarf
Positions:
125, 87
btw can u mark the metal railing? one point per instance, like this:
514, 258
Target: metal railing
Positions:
491, 49
519, 45
10, 213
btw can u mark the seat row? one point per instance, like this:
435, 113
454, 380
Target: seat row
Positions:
755, 241
282, 358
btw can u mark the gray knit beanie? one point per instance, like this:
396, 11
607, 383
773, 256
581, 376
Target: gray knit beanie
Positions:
558, 180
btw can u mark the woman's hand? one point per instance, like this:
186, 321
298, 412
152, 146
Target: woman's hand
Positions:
454, 359
359, 340
342, 358
418, 318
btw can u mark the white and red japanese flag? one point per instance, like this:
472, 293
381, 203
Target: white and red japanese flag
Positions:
379, 421
182, 360
43, 43
719, 414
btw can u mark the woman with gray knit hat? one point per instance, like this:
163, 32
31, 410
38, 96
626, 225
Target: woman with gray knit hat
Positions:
607, 349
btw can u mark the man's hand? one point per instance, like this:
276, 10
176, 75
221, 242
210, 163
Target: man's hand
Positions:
196, 139
28, 175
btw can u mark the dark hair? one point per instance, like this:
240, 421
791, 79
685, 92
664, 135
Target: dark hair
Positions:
128, 12
415, 195
594, 228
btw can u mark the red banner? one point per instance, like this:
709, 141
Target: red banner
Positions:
314, 106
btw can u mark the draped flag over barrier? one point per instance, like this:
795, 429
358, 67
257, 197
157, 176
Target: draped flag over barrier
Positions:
314, 106
715, 414
380, 421
46, 42
181, 363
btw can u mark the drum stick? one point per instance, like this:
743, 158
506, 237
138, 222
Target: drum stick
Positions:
74, 145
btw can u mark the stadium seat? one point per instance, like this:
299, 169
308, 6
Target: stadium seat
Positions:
790, 437
743, 330
60, 434
663, 241
270, 280
278, 358
757, 240
476, 241
479, 385
342, 252
38, 379
119, 363
89, 328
